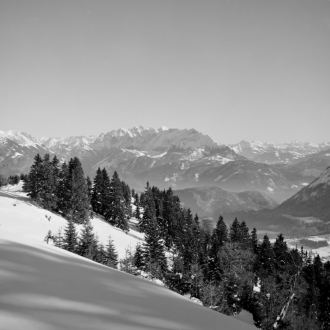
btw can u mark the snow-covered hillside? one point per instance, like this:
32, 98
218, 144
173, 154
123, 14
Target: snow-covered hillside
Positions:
19, 218
47, 288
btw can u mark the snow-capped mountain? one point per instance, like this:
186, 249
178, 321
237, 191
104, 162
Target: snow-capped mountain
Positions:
180, 158
272, 153
17, 151
153, 140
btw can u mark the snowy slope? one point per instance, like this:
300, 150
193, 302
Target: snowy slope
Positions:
19, 218
47, 288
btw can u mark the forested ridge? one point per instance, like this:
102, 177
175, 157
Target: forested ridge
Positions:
227, 268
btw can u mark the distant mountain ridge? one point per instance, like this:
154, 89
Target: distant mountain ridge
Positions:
271, 153
177, 158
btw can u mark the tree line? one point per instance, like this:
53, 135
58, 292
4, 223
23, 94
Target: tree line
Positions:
228, 269
62, 188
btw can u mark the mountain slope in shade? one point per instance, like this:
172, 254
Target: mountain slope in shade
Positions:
311, 201
46, 288
213, 201
304, 214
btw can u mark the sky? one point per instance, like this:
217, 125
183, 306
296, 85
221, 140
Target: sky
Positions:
248, 69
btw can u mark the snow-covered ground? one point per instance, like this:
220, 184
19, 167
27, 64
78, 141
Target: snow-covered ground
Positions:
16, 211
47, 288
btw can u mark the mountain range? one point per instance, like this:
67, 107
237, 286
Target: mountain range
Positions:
306, 213
177, 158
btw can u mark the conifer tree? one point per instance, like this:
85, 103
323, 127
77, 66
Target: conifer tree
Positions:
254, 241
105, 198
62, 193
48, 192
149, 214
111, 255
220, 234
96, 199
77, 207
266, 258
58, 239
127, 199
70, 237
34, 185
100, 256
117, 211
153, 251
138, 257
137, 211
86, 241
136, 198
89, 187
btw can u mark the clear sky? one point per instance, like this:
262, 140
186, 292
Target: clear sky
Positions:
248, 69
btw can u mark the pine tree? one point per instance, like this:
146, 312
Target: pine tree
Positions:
254, 241
77, 207
218, 239
105, 198
58, 239
127, 199
96, 199
70, 237
111, 255
47, 195
220, 234
62, 193
89, 187
34, 185
86, 241
100, 256
266, 258
117, 210
153, 251
138, 257
149, 214
235, 232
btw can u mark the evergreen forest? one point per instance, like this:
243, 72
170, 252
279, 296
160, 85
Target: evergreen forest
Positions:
227, 267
